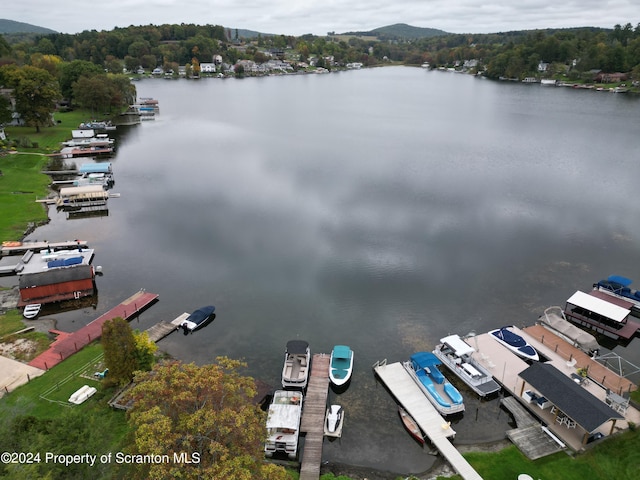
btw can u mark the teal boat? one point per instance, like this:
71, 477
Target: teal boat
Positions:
341, 365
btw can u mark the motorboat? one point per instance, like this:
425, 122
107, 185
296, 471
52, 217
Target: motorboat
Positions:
423, 368
620, 287
457, 355
411, 425
198, 319
334, 419
341, 366
283, 423
515, 343
31, 311
297, 358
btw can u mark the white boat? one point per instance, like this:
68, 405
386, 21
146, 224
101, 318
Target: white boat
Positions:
283, 423
32, 310
341, 366
457, 355
515, 343
333, 421
423, 368
297, 357
198, 319
82, 394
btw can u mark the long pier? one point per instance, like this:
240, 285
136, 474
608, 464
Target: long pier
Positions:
66, 344
403, 387
313, 415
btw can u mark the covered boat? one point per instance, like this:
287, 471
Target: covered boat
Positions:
341, 366
457, 355
515, 343
295, 371
198, 319
423, 368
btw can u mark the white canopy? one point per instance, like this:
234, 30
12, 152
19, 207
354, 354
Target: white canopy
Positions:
601, 307
458, 345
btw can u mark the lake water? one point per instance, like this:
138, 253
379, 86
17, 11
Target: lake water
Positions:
382, 209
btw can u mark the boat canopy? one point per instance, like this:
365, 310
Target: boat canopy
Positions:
459, 346
341, 351
425, 359
200, 315
283, 416
598, 306
296, 347
624, 281
103, 167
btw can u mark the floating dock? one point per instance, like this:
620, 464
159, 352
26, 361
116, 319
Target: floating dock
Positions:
162, 329
69, 343
403, 387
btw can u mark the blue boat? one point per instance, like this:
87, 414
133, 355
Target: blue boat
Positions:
423, 368
515, 343
618, 286
198, 319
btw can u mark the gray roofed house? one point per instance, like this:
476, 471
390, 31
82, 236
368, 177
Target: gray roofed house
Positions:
576, 402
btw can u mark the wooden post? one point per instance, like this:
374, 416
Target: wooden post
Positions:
46, 367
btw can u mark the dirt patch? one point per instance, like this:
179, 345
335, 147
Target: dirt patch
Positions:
18, 349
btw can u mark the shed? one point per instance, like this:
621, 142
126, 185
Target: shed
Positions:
576, 402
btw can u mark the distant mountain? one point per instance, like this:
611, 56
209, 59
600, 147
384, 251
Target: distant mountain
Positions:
401, 31
10, 26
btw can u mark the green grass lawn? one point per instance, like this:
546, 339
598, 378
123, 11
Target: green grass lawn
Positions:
56, 386
21, 182
617, 457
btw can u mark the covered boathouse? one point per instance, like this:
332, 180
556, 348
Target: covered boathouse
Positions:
52, 276
565, 404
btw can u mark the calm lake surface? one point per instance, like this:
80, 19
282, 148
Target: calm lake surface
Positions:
382, 209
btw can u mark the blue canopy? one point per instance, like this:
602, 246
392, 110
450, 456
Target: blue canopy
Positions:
425, 359
201, 314
624, 281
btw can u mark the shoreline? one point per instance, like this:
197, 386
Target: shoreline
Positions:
441, 468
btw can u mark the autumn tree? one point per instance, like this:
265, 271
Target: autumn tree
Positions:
205, 413
120, 354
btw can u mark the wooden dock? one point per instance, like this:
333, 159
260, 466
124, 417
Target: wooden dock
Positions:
161, 329
313, 413
9, 249
403, 387
530, 437
66, 344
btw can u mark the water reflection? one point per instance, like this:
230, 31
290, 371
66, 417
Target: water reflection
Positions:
323, 209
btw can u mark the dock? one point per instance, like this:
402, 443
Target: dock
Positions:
530, 437
313, 414
14, 248
66, 344
403, 387
161, 329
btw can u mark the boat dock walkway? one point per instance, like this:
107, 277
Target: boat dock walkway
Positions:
69, 343
403, 387
313, 414
161, 329
531, 438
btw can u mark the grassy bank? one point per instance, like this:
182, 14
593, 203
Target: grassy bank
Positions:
617, 458
22, 182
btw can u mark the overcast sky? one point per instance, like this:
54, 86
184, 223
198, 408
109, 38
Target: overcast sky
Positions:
297, 17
